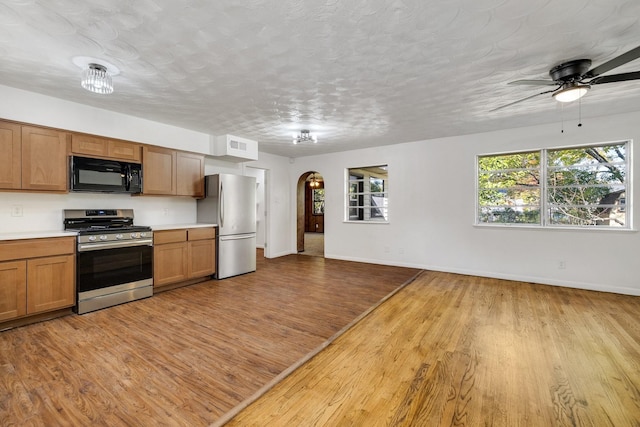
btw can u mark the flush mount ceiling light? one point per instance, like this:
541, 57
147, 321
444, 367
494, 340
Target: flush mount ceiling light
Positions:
96, 74
305, 136
571, 91
96, 79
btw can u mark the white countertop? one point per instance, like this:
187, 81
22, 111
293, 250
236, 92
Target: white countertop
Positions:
37, 234
176, 226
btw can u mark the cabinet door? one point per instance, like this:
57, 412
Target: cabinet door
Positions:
50, 283
159, 171
44, 159
13, 289
170, 263
190, 178
88, 145
10, 162
123, 150
202, 258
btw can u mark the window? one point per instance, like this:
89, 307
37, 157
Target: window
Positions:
570, 187
367, 194
318, 201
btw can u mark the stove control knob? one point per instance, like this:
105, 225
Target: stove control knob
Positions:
135, 235
143, 234
103, 237
92, 238
119, 237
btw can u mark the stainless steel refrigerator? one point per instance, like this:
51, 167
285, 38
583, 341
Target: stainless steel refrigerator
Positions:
230, 202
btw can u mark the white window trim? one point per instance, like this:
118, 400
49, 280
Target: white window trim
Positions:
346, 181
543, 225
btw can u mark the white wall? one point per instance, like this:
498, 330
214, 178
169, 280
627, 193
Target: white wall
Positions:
43, 110
432, 212
278, 233
43, 212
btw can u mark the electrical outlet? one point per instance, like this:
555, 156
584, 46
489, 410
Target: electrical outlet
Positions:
16, 210
165, 212
562, 265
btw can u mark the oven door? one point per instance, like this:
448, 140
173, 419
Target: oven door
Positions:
103, 268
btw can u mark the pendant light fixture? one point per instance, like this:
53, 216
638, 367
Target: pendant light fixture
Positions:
314, 182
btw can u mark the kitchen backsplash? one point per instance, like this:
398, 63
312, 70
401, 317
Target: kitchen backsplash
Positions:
24, 212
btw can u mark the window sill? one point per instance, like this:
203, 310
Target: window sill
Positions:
365, 222
559, 228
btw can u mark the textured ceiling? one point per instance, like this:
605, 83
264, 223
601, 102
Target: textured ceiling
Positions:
357, 73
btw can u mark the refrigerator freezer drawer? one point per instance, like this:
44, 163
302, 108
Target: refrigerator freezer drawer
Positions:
236, 255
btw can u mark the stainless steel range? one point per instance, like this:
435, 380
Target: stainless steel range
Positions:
114, 258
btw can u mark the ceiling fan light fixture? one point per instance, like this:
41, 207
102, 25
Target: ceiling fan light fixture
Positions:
570, 92
96, 79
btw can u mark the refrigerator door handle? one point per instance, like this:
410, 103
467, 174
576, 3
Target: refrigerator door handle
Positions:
239, 236
221, 205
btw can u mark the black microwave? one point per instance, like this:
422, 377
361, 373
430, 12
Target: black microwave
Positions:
102, 175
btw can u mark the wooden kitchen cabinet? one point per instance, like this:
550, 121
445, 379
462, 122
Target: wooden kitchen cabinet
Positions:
33, 158
10, 156
44, 159
190, 174
105, 148
13, 289
158, 171
183, 256
170, 264
48, 283
202, 251
169, 172
36, 276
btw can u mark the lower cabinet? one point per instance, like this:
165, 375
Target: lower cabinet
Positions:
36, 276
50, 283
13, 289
182, 255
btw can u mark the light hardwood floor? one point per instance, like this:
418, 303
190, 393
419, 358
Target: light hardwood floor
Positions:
452, 350
187, 356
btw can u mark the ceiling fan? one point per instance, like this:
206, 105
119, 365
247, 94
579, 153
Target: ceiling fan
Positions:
574, 78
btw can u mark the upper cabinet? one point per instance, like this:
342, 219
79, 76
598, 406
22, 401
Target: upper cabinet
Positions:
190, 174
158, 171
33, 158
10, 156
169, 172
44, 159
105, 148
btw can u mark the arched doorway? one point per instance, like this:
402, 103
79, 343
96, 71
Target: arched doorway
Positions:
310, 214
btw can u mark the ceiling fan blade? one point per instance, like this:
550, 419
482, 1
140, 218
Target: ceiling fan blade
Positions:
534, 82
521, 100
623, 77
614, 63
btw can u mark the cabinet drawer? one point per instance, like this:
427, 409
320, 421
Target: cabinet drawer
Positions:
201, 233
35, 248
169, 236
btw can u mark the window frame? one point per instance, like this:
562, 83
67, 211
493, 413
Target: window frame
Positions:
545, 205
364, 196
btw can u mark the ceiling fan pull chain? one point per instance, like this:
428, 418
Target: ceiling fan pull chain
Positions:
562, 117
580, 112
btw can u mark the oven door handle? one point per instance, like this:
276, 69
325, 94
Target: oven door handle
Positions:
113, 245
